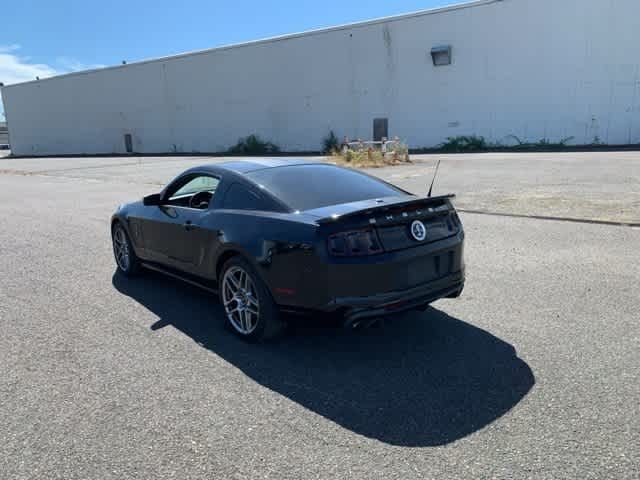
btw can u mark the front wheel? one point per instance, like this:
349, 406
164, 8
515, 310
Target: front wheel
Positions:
126, 259
249, 308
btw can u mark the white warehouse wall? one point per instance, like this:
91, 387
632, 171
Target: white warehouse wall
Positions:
532, 68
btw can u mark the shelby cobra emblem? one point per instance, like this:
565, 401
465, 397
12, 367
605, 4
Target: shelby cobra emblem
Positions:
418, 230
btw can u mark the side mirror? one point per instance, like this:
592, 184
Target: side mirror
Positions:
151, 200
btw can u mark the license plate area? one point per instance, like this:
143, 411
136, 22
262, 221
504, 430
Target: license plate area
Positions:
427, 269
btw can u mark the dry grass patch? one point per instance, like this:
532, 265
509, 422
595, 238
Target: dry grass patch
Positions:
370, 157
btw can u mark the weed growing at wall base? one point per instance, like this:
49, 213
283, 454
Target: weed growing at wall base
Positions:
330, 143
544, 143
464, 143
473, 143
253, 145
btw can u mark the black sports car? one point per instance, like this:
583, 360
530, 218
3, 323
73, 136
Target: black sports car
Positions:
272, 235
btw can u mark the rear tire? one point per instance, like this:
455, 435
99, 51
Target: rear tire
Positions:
126, 260
249, 308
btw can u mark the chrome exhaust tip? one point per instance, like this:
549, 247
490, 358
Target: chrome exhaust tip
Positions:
360, 323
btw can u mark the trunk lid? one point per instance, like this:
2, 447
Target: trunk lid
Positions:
393, 219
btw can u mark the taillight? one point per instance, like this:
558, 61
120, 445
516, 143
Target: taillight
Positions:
354, 244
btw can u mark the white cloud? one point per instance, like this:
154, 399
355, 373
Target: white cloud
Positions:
15, 68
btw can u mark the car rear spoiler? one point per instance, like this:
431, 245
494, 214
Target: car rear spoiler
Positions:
424, 202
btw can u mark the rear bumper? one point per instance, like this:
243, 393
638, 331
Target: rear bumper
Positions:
357, 308
370, 286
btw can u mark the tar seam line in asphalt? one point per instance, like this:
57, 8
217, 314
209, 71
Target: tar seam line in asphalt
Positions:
553, 219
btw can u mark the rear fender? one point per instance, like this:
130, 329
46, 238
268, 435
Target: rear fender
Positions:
280, 249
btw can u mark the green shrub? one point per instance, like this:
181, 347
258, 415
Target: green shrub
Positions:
253, 145
464, 143
330, 143
349, 156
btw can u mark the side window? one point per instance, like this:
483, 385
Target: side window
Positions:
195, 191
198, 184
240, 198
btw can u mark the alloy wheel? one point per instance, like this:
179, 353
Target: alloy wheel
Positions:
121, 249
240, 299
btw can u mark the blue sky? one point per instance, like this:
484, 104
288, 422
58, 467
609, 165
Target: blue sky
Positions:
46, 37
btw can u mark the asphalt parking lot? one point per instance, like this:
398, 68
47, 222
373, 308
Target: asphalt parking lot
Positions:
533, 373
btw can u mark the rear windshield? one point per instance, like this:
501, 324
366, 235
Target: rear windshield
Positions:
305, 187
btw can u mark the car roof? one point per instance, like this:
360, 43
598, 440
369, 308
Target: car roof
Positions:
254, 164
239, 169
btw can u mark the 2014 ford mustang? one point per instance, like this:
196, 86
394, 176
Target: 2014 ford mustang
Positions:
270, 236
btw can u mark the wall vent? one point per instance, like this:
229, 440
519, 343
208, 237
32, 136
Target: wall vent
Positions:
441, 55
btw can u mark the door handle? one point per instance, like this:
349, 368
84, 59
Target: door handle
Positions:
188, 226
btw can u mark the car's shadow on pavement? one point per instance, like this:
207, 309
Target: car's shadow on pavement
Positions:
426, 379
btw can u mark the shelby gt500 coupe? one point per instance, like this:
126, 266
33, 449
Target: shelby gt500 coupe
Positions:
272, 235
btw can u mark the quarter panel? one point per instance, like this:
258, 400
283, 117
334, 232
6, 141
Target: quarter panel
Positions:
282, 248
